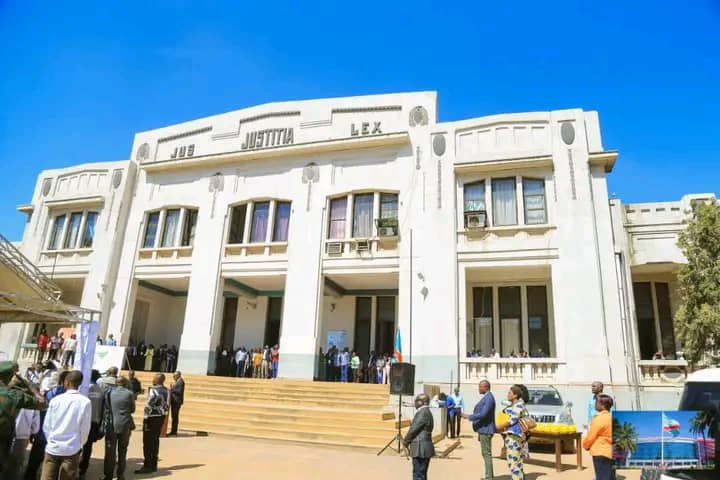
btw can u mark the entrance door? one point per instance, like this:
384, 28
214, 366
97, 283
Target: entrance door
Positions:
272, 323
363, 317
227, 335
139, 324
385, 326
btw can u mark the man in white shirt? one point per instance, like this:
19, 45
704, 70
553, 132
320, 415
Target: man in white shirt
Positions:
69, 347
27, 423
66, 427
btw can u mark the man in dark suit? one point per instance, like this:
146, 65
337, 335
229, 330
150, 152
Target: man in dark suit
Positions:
419, 438
119, 424
177, 397
483, 422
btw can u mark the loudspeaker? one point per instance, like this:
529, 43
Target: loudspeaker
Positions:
402, 379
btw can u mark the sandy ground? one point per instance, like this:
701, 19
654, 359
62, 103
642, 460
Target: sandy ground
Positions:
218, 457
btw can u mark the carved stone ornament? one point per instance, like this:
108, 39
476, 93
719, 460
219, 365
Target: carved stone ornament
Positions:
567, 133
439, 145
143, 152
117, 178
311, 173
217, 182
47, 184
418, 116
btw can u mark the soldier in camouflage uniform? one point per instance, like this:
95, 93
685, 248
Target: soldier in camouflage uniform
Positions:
15, 394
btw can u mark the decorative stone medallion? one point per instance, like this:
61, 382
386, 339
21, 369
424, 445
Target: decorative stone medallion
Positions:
439, 145
143, 152
418, 116
567, 133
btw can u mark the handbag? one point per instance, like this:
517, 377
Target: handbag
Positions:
527, 423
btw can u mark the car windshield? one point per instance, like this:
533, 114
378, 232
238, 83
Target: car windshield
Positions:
545, 397
700, 396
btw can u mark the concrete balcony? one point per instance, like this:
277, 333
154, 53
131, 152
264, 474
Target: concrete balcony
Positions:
663, 372
512, 370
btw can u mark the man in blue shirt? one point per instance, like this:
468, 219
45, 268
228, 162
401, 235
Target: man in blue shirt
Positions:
483, 423
597, 389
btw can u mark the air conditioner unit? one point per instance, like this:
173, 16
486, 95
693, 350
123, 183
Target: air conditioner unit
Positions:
475, 220
387, 231
335, 248
363, 246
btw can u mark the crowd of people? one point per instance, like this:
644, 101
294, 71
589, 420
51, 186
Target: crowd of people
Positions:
341, 365
56, 348
43, 407
539, 353
146, 357
254, 363
515, 427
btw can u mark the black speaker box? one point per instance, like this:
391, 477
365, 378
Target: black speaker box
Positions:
402, 379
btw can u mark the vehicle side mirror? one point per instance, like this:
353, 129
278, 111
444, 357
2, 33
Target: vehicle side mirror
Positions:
569, 404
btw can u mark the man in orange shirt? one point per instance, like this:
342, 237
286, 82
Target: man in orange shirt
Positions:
599, 439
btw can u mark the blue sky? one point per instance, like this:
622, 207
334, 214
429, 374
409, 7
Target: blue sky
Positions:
649, 423
79, 78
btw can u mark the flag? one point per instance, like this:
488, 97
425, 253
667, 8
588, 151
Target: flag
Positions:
398, 347
670, 425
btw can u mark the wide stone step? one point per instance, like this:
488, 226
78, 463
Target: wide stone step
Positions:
281, 397
281, 390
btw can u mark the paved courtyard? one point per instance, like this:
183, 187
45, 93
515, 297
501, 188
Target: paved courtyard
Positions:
217, 457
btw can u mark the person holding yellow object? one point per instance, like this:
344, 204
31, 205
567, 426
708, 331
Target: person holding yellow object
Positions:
515, 438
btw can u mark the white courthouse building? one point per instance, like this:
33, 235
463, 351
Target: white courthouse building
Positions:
342, 220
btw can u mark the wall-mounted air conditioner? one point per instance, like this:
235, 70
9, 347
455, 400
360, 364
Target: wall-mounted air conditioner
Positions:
363, 246
475, 220
387, 231
334, 248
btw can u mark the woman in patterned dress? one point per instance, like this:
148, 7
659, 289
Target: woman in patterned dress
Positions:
515, 439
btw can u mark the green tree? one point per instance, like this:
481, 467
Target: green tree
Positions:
625, 438
697, 320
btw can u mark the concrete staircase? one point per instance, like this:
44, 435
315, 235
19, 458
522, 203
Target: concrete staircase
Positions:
322, 413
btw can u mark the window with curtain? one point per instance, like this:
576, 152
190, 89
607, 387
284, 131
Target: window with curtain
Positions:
56, 234
89, 233
510, 313
338, 212
503, 202
389, 206
362, 215
172, 217
73, 230
237, 224
261, 212
538, 328
188, 234
474, 196
282, 222
481, 331
534, 201
151, 229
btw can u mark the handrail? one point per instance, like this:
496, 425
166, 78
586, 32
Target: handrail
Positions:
13, 259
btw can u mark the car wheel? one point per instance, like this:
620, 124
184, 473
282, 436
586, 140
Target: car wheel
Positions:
568, 446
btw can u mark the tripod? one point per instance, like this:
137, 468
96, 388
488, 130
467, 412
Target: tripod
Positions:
398, 436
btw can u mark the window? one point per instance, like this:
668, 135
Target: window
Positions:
56, 234
474, 194
480, 335
654, 319
151, 230
363, 215
188, 234
338, 212
261, 212
510, 321
89, 233
537, 312
501, 315
73, 233
503, 198
172, 218
534, 201
282, 222
237, 224
389, 206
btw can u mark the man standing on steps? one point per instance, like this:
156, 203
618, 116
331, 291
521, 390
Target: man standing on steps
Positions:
419, 438
119, 407
155, 413
177, 397
240, 358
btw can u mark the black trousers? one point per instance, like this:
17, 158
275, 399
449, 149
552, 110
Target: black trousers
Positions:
151, 440
175, 411
87, 448
36, 457
420, 468
603, 468
116, 445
